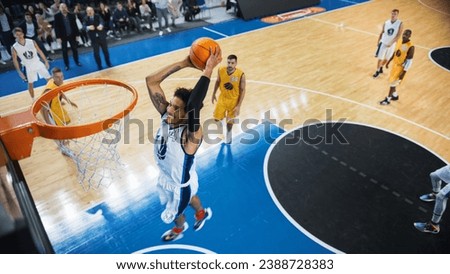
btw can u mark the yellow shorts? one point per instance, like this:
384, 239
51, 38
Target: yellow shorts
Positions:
224, 108
395, 73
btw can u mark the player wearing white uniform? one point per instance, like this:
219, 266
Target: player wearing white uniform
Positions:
27, 50
440, 195
392, 29
177, 142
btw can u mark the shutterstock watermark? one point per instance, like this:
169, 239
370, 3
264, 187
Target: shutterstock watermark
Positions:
312, 131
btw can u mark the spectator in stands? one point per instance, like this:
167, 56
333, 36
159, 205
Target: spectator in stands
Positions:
55, 7
120, 19
45, 31
191, 10
162, 12
174, 9
105, 14
47, 13
146, 14
134, 15
31, 30
66, 30
80, 14
94, 27
6, 27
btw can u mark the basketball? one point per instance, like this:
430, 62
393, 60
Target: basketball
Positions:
199, 53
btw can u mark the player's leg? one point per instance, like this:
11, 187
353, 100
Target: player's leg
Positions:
381, 55
201, 214
394, 81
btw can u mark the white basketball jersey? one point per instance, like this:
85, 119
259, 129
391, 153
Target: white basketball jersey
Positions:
390, 31
27, 53
176, 167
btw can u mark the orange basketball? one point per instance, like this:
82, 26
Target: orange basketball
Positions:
199, 53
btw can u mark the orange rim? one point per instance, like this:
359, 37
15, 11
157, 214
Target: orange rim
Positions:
78, 131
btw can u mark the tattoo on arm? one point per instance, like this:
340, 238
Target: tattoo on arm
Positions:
159, 101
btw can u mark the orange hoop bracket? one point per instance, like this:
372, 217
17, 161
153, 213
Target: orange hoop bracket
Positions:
18, 130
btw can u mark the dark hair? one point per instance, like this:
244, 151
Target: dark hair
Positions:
56, 70
17, 29
396, 10
28, 13
184, 94
232, 56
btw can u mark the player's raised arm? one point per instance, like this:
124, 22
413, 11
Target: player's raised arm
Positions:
154, 83
196, 100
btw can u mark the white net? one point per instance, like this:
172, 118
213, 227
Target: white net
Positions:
96, 156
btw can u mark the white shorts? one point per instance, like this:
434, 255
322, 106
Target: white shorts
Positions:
170, 195
384, 52
35, 70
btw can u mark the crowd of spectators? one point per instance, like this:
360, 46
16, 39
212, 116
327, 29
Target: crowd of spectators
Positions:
120, 18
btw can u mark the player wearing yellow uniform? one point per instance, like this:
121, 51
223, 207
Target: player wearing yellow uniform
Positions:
55, 113
402, 59
231, 82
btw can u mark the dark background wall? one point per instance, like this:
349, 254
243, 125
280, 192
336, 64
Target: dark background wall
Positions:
259, 8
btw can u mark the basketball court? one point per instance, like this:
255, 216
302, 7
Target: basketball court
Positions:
316, 165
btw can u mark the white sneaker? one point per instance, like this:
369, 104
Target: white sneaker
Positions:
160, 33
2, 62
169, 30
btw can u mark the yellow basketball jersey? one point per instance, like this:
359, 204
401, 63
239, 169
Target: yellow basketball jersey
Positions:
234, 79
401, 51
59, 114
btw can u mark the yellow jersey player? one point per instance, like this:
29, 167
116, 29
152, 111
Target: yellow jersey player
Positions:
55, 113
404, 53
231, 82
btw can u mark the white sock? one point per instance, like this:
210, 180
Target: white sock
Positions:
394, 94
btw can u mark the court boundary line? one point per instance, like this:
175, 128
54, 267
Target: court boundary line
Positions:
281, 208
431, 8
173, 246
434, 62
353, 102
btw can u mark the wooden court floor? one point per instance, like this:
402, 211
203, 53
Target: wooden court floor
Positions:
297, 70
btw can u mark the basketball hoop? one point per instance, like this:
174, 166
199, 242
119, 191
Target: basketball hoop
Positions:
88, 138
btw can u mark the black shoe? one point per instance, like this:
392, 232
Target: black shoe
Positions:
109, 65
50, 59
79, 64
381, 70
99, 67
376, 74
67, 68
385, 101
394, 98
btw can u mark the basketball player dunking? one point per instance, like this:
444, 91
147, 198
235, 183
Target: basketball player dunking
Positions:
176, 143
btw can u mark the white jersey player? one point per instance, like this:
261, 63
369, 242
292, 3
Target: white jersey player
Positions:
27, 50
177, 142
390, 34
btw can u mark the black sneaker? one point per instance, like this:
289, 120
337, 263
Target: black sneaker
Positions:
385, 102
376, 74
394, 98
427, 227
200, 222
430, 197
